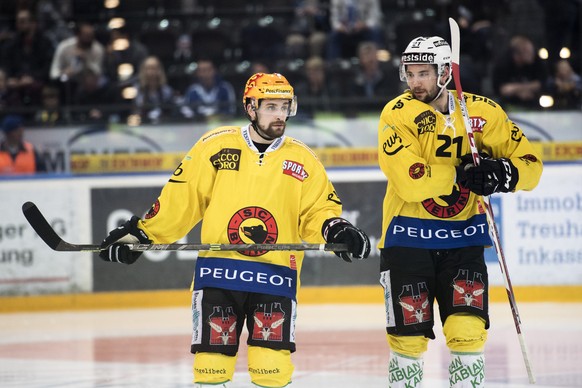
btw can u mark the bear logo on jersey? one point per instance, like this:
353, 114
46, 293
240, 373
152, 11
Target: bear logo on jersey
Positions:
250, 225
447, 206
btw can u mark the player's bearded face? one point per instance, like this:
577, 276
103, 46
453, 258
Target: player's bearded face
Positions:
421, 80
271, 118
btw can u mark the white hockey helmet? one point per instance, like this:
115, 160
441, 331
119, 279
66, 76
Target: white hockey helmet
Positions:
432, 50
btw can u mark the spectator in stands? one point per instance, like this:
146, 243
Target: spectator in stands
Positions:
353, 22
258, 67
476, 23
562, 26
565, 86
8, 96
155, 98
263, 40
209, 95
75, 54
52, 16
370, 83
95, 98
183, 53
51, 111
17, 156
123, 50
26, 58
308, 31
317, 93
518, 77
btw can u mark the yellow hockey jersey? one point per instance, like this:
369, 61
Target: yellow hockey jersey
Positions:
243, 196
418, 149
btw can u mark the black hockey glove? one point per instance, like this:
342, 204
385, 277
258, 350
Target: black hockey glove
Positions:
338, 230
113, 248
490, 176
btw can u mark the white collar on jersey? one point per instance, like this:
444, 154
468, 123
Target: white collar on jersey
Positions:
246, 134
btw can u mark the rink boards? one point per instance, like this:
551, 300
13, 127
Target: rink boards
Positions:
541, 238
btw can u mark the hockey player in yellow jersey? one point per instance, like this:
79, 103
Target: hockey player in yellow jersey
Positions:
247, 185
434, 227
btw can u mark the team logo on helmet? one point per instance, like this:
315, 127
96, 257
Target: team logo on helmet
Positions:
252, 225
418, 58
440, 43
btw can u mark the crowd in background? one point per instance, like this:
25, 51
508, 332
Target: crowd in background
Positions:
147, 61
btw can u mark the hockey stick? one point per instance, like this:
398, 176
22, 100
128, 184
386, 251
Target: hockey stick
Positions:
455, 43
53, 240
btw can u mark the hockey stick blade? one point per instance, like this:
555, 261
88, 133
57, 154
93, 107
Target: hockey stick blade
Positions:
46, 232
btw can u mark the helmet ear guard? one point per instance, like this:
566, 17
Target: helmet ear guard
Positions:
432, 50
262, 86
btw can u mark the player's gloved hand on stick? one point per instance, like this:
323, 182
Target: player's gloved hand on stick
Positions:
113, 248
339, 230
490, 176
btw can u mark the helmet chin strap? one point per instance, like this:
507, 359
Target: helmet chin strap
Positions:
443, 87
438, 94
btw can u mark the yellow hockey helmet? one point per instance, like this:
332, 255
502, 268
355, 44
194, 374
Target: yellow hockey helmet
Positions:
269, 86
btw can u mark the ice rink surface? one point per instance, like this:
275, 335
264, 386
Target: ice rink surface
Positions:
339, 345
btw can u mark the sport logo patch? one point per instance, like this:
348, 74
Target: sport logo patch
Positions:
516, 133
153, 210
269, 319
440, 43
222, 324
477, 123
416, 171
226, 159
294, 169
468, 292
425, 122
393, 145
292, 262
528, 158
252, 225
418, 58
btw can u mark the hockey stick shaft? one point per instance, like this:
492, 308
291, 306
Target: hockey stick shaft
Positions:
455, 42
46, 232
